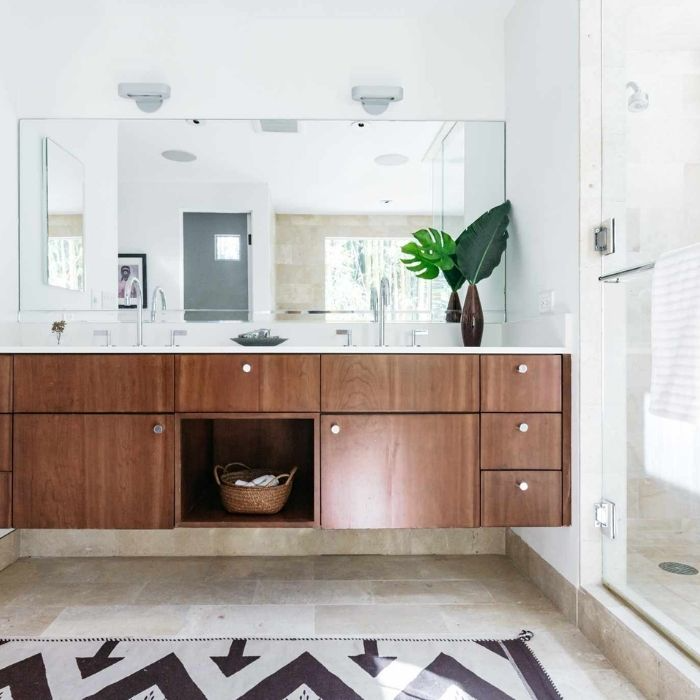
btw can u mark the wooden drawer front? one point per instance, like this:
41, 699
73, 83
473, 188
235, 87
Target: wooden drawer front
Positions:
400, 383
94, 383
5, 443
274, 383
5, 383
290, 383
385, 472
94, 471
504, 504
5, 499
217, 383
504, 388
505, 444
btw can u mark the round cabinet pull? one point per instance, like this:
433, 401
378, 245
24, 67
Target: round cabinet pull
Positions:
522, 369
335, 428
522, 485
158, 429
523, 427
247, 367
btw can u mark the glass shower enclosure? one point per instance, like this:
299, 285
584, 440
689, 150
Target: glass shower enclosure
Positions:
651, 190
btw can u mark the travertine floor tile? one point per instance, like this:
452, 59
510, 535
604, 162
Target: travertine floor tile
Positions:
248, 620
313, 592
430, 593
380, 620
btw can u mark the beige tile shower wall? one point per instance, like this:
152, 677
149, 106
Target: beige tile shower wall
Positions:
258, 542
300, 250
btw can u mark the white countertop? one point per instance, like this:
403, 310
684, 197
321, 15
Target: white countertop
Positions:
279, 349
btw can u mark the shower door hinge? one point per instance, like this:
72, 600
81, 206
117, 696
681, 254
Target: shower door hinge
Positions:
605, 518
604, 237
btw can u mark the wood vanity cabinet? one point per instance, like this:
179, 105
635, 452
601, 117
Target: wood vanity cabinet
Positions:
400, 383
94, 471
93, 383
387, 471
5, 441
5, 383
247, 383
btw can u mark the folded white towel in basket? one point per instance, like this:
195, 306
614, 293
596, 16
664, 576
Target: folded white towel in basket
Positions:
675, 336
264, 480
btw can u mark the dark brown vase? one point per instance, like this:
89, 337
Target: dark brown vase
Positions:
454, 309
472, 319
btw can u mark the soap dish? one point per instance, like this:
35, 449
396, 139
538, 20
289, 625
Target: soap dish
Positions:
268, 341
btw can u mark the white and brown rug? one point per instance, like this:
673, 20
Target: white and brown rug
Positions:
272, 669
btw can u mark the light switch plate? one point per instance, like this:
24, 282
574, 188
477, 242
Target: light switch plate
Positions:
545, 303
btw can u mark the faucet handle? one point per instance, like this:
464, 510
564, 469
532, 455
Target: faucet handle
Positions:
414, 336
104, 334
176, 334
348, 335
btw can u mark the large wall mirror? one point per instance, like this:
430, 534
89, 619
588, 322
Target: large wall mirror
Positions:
246, 219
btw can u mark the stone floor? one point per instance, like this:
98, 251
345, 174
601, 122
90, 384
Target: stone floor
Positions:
418, 596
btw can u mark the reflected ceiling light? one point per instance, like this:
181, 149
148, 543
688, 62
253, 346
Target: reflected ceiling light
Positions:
196, 122
148, 96
179, 156
387, 201
391, 159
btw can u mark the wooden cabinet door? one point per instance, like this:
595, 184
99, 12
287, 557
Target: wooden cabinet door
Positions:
290, 383
5, 383
504, 503
400, 383
217, 383
5, 499
94, 471
384, 471
514, 383
521, 441
93, 383
5, 443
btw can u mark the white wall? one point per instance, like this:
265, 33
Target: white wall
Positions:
150, 221
95, 145
8, 207
542, 183
256, 59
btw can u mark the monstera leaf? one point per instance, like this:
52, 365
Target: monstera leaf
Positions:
481, 245
431, 252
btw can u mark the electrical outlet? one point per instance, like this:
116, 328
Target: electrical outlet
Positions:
546, 301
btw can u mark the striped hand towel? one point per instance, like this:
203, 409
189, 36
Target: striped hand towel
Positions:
675, 335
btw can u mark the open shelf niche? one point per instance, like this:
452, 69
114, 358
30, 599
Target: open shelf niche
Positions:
271, 441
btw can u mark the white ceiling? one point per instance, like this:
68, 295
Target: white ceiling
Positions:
328, 167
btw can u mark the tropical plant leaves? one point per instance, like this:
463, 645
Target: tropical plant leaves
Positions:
482, 243
433, 251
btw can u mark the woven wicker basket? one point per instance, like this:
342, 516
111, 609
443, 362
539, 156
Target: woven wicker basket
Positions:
262, 500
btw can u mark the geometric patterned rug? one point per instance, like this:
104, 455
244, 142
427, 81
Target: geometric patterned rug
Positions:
272, 669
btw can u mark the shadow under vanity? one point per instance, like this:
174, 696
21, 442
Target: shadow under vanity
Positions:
380, 440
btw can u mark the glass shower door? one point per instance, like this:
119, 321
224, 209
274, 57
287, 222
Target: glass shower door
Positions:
651, 183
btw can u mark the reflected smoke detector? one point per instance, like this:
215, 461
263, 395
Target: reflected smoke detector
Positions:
638, 101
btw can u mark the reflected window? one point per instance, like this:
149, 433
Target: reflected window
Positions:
354, 265
228, 246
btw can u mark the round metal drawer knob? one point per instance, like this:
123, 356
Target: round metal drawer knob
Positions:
523, 427
335, 428
522, 369
522, 485
247, 367
158, 429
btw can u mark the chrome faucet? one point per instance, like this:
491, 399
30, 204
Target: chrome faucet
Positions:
158, 292
382, 304
134, 281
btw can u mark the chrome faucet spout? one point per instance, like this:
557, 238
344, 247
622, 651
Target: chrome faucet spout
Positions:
158, 292
382, 305
135, 282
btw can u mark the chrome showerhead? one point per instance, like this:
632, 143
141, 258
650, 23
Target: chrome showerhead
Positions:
638, 101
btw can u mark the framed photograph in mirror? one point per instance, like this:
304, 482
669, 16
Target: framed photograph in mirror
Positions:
131, 265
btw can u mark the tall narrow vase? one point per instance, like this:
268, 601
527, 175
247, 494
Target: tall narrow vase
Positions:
472, 319
454, 309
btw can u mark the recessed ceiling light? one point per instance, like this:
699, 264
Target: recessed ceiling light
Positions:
179, 156
391, 159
